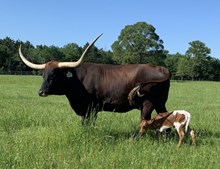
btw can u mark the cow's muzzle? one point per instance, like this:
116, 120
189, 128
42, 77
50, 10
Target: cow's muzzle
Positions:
42, 93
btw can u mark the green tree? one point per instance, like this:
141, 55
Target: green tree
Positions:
138, 43
199, 54
105, 56
71, 51
7, 47
44, 54
171, 62
3, 56
96, 55
213, 70
26, 47
184, 68
9, 59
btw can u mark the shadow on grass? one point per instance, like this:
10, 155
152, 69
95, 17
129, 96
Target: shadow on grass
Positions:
203, 137
206, 137
207, 134
113, 135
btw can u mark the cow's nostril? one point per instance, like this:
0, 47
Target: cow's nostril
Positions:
41, 93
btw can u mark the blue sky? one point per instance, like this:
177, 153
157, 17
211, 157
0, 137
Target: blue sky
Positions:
59, 22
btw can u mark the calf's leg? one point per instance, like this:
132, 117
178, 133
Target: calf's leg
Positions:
192, 134
180, 133
142, 127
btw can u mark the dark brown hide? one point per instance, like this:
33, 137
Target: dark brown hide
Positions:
106, 87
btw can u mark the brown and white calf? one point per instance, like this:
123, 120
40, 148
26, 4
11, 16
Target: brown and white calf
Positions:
178, 119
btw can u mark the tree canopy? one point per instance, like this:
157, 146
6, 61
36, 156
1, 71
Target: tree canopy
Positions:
138, 43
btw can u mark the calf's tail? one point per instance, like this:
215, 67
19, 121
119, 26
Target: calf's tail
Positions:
187, 115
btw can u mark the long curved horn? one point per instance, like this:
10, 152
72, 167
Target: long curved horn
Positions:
28, 63
77, 63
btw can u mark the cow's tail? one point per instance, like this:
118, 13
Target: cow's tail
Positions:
136, 91
164, 75
132, 94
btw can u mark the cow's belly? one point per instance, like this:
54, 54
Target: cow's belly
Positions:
117, 108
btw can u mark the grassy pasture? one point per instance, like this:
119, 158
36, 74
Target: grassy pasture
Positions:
44, 133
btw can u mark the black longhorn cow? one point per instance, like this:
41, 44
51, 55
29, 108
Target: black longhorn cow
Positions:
91, 87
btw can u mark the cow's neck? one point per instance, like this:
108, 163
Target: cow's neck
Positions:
78, 97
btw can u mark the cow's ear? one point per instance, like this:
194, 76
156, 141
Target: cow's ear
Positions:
69, 74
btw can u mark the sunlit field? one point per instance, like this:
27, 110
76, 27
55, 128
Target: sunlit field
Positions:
42, 133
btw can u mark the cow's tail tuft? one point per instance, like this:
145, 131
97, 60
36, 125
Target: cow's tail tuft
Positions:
132, 94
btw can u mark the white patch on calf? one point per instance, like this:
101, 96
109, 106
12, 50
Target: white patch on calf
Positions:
164, 128
187, 117
177, 125
192, 133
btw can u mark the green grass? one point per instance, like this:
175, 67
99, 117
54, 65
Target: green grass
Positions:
45, 133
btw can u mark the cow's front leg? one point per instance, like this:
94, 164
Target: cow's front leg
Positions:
83, 120
89, 118
146, 111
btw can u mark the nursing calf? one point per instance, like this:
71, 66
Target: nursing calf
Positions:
178, 119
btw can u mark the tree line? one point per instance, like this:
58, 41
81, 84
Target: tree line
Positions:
137, 43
